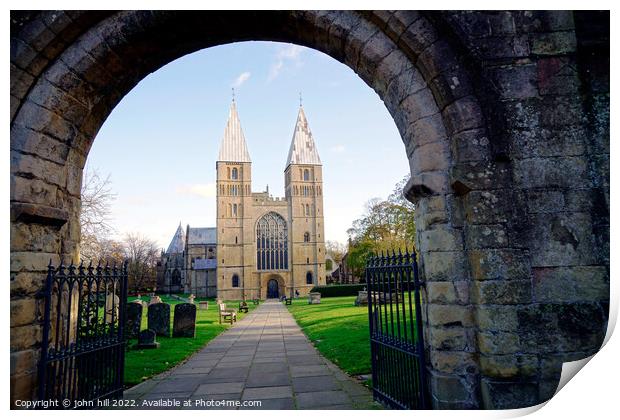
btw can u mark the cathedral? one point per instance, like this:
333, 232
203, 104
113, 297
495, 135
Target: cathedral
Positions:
262, 246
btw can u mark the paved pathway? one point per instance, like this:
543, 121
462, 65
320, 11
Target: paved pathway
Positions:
265, 357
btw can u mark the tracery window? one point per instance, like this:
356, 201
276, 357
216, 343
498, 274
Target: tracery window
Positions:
306, 175
271, 242
307, 237
235, 173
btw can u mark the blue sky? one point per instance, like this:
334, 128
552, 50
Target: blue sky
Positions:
160, 143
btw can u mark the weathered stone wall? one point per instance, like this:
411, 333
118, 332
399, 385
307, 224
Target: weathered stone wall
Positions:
504, 116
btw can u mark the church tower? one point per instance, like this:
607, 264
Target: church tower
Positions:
303, 180
234, 200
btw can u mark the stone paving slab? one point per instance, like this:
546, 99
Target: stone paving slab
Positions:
263, 357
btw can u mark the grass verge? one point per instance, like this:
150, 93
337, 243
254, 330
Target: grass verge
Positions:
338, 329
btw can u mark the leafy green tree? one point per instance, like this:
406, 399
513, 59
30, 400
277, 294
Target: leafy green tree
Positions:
386, 225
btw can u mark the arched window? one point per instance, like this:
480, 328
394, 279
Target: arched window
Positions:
234, 210
309, 277
235, 173
176, 277
306, 175
307, 210
228, 172
307, 237
235, 280
271, 242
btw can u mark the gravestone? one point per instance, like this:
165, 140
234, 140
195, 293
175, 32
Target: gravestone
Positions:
159, 319
134, 318
362, 298
314, 298
111, 307
203, 304
146, 340
154, 300
191, 299
184, 320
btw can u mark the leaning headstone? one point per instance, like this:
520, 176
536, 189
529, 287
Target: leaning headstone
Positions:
146, 340
159, 319
133, 318
203, 304
184, 320
314, 298
191, 299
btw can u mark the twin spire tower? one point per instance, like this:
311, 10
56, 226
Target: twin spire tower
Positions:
269, 246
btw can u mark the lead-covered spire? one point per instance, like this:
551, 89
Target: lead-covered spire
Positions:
303, 150
177, 244
233, 147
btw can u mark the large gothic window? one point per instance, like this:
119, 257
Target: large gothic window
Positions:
271, 243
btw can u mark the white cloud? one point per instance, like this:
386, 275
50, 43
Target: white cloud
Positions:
200, 190
339, 148
241, 79
285, 55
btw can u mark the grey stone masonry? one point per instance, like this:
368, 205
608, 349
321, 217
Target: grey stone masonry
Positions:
264, 357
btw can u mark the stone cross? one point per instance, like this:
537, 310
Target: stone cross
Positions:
159, 319
184, 320
133, 318
146, 340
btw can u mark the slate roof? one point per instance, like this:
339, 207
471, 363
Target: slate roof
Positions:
177, 244
200, 236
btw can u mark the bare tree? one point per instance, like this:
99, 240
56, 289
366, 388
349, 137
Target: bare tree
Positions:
143, 254
336, 250
97, 198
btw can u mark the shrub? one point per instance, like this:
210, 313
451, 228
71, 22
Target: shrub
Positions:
339, 290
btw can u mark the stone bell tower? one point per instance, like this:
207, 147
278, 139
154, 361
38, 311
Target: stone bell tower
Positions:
303, 180
234, 202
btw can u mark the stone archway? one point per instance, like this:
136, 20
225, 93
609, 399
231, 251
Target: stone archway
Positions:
480, 112
273, 289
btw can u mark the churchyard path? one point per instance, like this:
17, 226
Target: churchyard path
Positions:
264, 357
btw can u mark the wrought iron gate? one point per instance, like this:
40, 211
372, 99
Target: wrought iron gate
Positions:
83, 351
396, 336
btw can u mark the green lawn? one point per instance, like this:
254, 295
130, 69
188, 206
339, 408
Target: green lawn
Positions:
338, 329
143, 364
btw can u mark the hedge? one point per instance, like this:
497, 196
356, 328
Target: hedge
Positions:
339, 290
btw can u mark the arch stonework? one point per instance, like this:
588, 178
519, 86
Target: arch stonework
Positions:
495, 111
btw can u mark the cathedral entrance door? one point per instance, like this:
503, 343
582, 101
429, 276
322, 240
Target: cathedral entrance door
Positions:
272, 289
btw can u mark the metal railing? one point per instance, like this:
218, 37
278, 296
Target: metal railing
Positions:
83, 350
396, 336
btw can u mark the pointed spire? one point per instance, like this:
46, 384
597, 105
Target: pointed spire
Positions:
303, 150
233, 147
177, 244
